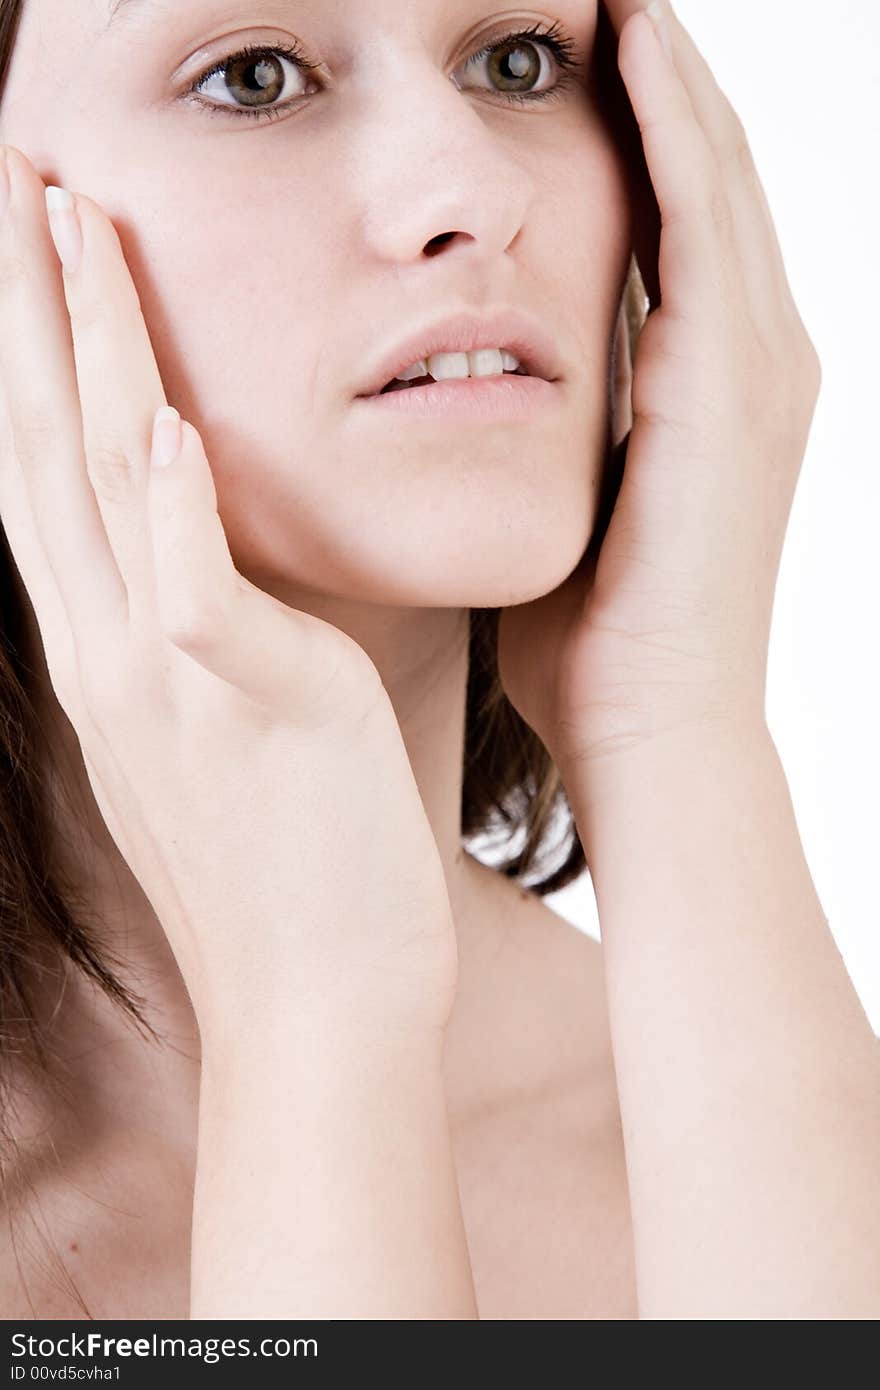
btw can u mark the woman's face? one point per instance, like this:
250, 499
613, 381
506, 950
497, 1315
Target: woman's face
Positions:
278, 258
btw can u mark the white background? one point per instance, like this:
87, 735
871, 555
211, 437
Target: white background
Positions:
804, 77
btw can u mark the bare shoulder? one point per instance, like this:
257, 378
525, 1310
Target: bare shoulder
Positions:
95, 1237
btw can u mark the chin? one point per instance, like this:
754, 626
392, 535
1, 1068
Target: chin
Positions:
484, 528
479, 570
429, 572
520, 578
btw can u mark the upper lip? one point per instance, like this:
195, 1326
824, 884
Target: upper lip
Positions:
466, 332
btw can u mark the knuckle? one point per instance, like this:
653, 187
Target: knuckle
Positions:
13, 271
109, 468
195, 629
803, 356
745, 164
812, 366
90, 313
740, 151
37, 437
107, 317
718, 208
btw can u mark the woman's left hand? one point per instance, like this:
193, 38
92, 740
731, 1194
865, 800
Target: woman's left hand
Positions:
665, 623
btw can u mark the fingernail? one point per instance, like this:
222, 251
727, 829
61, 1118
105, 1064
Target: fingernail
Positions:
64, 226
659, 12
167, 437
4, 183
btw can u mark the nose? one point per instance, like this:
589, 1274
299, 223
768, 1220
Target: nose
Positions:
435, 175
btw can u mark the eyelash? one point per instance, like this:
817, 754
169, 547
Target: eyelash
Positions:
554, 38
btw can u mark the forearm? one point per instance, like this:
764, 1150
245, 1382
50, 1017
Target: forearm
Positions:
748, 1075
325, 1183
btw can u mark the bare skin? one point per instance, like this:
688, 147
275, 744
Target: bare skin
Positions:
533, 1116
745, 1164
530, 1085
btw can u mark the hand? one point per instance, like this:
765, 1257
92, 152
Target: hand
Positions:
245, 756
665, 623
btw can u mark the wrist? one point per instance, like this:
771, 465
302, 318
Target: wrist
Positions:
387, 1000
605, 790
331, 1043
612, 757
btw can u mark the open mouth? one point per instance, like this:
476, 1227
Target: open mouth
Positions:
398, 385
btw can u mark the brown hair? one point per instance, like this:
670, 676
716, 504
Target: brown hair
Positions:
509, 778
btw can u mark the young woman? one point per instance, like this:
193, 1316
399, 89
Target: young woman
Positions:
267, 665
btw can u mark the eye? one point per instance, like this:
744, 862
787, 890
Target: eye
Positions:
255, 77
257, 81
519, 67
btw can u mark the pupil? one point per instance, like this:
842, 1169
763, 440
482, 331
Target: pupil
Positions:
268, 79
519, 62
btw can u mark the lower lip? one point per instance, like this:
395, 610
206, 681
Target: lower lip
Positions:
508, 397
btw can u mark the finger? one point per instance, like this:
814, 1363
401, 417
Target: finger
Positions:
274, 654
120, 390
37, 579
760, 253
697, 247
42, 400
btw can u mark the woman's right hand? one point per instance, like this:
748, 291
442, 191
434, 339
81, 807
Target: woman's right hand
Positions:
245, 756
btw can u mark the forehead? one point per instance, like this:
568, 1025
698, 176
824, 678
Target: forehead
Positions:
182, 21
117, 11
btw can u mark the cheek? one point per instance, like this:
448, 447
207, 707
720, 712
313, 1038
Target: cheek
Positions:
312, 500
591, 227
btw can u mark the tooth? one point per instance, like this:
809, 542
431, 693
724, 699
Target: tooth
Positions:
444, 366
419, 368
485, 362
458, 365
